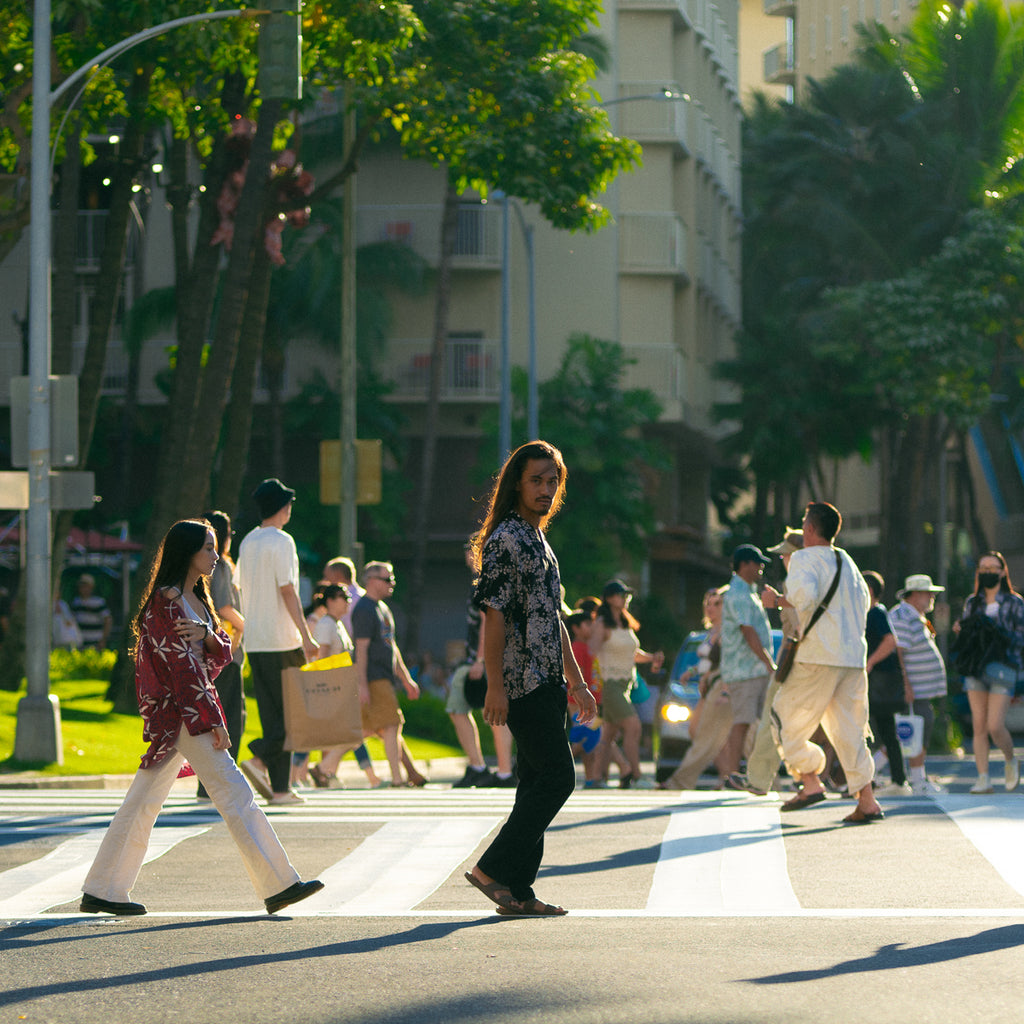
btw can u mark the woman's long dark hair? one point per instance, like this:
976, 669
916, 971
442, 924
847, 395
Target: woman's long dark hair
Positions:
1005, 586
505, 497
607, 616
170, 568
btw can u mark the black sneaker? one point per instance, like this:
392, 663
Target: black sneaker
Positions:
294, 893
473, 777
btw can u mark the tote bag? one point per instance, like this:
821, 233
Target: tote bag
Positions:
910, 733
321, 705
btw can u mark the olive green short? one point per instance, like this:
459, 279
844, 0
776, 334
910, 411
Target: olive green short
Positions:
616, 706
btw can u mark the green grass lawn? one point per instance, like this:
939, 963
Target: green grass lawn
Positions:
99, 742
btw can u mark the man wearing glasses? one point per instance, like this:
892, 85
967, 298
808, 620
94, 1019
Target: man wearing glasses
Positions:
380, 665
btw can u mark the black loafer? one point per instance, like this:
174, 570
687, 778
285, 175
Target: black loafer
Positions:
94, 905
294, 893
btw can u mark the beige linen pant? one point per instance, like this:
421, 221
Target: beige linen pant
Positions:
120, 856
838, 699
713, 731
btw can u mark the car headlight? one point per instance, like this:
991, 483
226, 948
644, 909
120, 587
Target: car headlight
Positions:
676, 713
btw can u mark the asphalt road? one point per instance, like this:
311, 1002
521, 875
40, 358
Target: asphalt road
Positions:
683, 907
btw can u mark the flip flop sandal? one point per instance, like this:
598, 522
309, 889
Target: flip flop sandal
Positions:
496, 892
859, 817
798, 803
534, 908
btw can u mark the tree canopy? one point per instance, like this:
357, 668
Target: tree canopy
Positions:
881, 260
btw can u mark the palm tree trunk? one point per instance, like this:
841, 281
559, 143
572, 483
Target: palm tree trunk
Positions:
442, 305
216, 380
234, 453
196, 276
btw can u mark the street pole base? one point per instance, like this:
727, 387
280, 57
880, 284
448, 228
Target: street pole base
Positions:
37, 734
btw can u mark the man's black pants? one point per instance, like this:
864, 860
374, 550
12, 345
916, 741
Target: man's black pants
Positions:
267, 667
547, 777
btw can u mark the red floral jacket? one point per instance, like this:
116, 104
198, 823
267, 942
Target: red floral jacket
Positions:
174, 680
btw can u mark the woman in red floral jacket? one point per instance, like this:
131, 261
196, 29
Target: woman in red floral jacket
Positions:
179, 649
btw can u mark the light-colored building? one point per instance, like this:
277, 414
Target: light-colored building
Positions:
662, 279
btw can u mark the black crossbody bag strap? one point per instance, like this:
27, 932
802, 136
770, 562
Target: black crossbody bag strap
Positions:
820, 610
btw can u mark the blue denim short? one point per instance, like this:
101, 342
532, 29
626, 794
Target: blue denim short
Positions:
986, 685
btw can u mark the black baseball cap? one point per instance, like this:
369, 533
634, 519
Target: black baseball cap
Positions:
749, 553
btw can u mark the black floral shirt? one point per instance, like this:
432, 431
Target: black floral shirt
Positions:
519, 578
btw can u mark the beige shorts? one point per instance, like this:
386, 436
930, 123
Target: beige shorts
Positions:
747, 699
383, 711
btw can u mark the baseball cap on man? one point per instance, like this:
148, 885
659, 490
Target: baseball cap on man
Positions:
919, 581
272, 496
749, 553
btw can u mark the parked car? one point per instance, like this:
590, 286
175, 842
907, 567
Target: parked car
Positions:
679, 698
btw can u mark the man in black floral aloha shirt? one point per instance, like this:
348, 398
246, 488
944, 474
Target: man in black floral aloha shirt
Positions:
528, 658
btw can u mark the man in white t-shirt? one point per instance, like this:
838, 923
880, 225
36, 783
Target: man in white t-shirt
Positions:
828, 682
276, 633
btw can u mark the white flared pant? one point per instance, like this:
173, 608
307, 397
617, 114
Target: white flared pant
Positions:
123, 849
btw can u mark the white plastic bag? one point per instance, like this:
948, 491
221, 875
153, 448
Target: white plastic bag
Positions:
910, 733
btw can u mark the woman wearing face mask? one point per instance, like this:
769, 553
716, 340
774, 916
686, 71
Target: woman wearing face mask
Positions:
989, 697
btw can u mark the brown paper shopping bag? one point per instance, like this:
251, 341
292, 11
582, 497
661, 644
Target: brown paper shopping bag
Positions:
321, 705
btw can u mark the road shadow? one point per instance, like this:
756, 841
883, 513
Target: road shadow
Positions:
895, 957
427, 932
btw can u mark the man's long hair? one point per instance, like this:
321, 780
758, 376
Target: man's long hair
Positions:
505, 496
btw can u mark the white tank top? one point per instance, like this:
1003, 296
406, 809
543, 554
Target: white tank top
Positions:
618, 654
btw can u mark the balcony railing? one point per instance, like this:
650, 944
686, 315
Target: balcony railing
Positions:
779, 65
657, 119
652, 243
472, 370
478, 237
658, 368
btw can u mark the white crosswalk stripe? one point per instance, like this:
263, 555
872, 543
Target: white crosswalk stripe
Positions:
710, 862
58, 877
716, 855
397, 867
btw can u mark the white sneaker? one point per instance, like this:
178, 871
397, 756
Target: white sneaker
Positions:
285, 799
925, 787
256, 772
982, 785
895, 789
1012, 775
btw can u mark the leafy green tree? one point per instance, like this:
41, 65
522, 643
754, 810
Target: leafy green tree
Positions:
860, 187
523, 73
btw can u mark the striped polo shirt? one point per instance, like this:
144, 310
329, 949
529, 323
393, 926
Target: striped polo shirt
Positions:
922, 661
